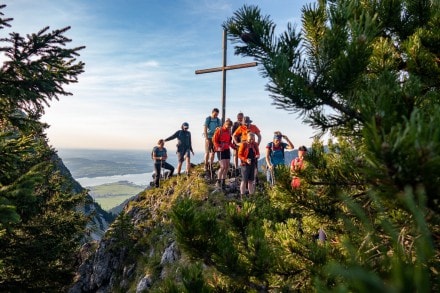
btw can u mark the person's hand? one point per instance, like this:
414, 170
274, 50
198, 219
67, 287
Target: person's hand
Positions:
284, 136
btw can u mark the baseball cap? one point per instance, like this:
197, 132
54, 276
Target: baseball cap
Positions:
247, 120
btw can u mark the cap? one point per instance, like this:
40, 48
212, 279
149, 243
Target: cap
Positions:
185, 125
247, 120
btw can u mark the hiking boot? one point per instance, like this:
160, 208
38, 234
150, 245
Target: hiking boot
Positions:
223, 184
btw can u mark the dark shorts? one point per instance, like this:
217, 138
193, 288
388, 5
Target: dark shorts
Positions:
182, 154
248, 172
209, 146
224, 155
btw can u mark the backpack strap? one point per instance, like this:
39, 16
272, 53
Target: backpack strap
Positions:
271, 149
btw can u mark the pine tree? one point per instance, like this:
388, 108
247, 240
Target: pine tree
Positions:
368, 72
40, 227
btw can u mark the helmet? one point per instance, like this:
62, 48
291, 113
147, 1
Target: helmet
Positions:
185, 125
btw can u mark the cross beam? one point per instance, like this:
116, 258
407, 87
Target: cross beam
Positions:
224, 69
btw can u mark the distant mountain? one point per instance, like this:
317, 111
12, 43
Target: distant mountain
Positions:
98, 163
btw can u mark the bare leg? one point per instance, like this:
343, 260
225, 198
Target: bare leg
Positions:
188, 165
221, 171
179, 167
206, 160
225, 168
211, 158
243, 187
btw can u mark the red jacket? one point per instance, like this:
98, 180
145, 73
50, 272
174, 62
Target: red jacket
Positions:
222, 139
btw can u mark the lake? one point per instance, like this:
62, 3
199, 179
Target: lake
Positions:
142, 179
92, 167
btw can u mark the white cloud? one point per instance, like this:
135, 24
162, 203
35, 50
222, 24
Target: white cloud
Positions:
139, 83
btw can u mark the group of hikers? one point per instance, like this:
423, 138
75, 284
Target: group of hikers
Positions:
243, 138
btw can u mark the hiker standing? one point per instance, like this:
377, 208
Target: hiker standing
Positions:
159, 155
209, 127
234, 128
245, 128
275, 154
184, 147
222, 143
248, 153
297, 165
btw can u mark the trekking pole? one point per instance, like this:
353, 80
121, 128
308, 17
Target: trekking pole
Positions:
272, 176
210, 170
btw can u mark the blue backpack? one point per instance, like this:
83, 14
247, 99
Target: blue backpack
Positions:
209, 121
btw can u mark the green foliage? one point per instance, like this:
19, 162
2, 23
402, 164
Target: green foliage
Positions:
368, 72
40, 227
123, 232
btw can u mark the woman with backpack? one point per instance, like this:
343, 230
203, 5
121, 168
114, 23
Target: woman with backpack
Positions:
159, 156
248, 153
275, 154
297, 165
222, 143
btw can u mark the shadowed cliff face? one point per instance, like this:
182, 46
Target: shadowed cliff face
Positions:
139, 250
99, 219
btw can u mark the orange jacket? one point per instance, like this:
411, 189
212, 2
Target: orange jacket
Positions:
243, 151
243, 131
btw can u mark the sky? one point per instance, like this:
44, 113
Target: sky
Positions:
139, 83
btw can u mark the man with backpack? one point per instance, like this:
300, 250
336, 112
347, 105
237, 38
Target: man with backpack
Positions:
184, 147
209, 127
242, 131
275, 154
159, 156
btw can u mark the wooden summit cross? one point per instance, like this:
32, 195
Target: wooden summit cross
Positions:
223, 69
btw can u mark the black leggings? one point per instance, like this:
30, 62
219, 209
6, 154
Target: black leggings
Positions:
157, 169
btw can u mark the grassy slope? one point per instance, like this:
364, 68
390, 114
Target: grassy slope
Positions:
110, 195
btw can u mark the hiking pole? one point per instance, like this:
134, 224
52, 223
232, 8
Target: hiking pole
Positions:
210, 170
272, 176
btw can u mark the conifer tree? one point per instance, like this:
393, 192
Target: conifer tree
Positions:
368, 72
40, 227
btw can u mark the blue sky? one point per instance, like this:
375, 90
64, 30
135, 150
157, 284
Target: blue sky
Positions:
140, 84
